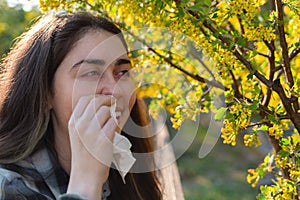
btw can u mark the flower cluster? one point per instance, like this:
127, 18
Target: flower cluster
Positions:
255, 175
237, 118
45, 5
276, 131
289, 153
226, 10
251, 140
229, 132
284, 189
188, 109
286, 159
249, 8
260, 32
68, 5
177, 119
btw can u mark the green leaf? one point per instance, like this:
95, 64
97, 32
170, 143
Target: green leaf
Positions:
297, 149
263, 128
254, 106
214, 16
159, 3
242, 41
250, 76
180, 12
197, 7
283, 153
261, 197
257, 89
261, 172
220, 114
135, 53
201, 6
284, 142
273, 118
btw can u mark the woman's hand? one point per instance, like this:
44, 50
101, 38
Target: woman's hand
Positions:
91, 130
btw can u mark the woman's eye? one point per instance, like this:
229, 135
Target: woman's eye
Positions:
91, 73
122, 73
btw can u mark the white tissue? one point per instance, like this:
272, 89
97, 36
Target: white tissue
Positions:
122, 156
113, 110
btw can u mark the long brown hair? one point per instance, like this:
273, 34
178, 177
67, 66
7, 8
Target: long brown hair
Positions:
25, 85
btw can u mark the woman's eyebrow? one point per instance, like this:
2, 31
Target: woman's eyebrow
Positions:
100, 62
122, 61
89, 61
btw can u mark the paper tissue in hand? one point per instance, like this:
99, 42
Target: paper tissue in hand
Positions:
122, 156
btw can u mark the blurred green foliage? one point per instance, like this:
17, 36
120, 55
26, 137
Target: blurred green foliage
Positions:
13, 21
219, 175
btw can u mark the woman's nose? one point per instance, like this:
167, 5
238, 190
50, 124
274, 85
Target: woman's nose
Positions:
108, 85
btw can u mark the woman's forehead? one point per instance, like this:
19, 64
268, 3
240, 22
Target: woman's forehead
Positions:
97, 45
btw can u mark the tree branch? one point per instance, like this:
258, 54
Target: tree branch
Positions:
259, 53
280, 72
269, 45
239, 56
285, 54
193, 76
192, 52
260, 77
241, 25
272, 71
283, 44
294, 53
287, 103
213, 83
235, 85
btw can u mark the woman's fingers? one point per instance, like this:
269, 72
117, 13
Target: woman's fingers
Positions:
89, 107
110, 128
91, 131
94, 126
95, 104
81, 105
102, 115
89, 104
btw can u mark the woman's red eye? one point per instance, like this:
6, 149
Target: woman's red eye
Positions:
123, 73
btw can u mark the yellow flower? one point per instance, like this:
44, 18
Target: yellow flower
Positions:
276, 131
295, 174
176, 122
251, 140
229, 133
252, 177
281, 162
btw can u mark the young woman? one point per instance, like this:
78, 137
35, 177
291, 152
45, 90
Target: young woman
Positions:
56, 125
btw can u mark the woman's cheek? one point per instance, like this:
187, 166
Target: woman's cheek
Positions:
132, 100
81, 89
130, 91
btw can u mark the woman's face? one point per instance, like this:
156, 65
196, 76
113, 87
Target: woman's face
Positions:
96, 65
